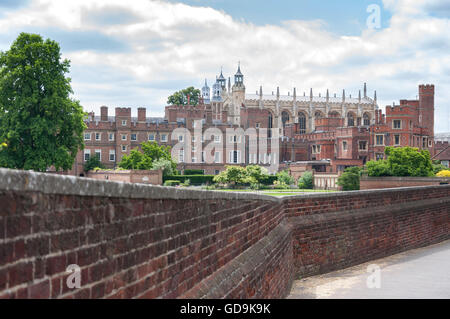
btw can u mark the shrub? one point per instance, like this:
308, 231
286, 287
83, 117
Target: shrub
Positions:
93, 163
171, 183
444, 173
349, 180
438, 167
283, 177
306, 181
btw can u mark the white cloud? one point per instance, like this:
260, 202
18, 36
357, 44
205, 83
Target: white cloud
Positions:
180, 43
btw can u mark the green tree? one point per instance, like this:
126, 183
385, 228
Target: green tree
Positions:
306, 181
135, 161
152, 156
164, 164
378, 168
349, 180
255, 174
91, 163
409, 161
233, 176
39, 121
284, 178
181, 97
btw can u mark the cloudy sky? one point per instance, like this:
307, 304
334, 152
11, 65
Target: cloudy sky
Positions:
135, 53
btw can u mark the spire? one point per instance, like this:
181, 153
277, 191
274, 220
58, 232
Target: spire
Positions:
278, 91
328, 95
260, 92
365, 90
295, 93
359, 96
375, 97
311, 94
229, 83
343, 95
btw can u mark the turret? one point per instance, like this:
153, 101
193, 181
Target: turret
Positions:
206, 93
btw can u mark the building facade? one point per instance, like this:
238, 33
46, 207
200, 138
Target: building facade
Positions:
340, 131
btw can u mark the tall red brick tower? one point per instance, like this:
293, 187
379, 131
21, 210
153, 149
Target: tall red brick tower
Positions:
426, 108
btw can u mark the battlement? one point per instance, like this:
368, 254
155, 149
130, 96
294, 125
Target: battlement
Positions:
123, 111
426, 89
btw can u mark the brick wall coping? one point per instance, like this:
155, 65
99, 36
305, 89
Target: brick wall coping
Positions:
406, 178
18, 180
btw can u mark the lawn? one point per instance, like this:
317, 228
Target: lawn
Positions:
278, 192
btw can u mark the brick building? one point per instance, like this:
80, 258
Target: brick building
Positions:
343, 131
348, 143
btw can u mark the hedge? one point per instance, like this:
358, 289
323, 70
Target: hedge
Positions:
195, 179
193, 172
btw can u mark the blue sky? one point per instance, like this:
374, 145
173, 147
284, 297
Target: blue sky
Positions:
342, 17
136, 53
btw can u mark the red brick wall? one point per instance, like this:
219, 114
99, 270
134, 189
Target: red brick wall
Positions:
336, 232
139, 241
132, 244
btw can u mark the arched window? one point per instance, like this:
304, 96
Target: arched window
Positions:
351, 120
366, 119
284, 118
270, 125
302, 122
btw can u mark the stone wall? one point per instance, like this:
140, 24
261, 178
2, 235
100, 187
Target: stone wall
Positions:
142, 241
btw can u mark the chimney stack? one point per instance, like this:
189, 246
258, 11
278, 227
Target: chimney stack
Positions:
142, 114
104, 114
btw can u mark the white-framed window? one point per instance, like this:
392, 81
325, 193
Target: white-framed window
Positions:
344, 145
124, 122
180, 138
87, 155
98, 154
111, 136
87, 136
217, 157
379, 156
194, 139
397, 124
134, 137
216, 138
112, 155
194, 159
164, 138
151, 137
98, 136
258, 125
194, 149
232, 139
379, 139
124, 148
124, 137
430, 143
181, 156
396, 139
